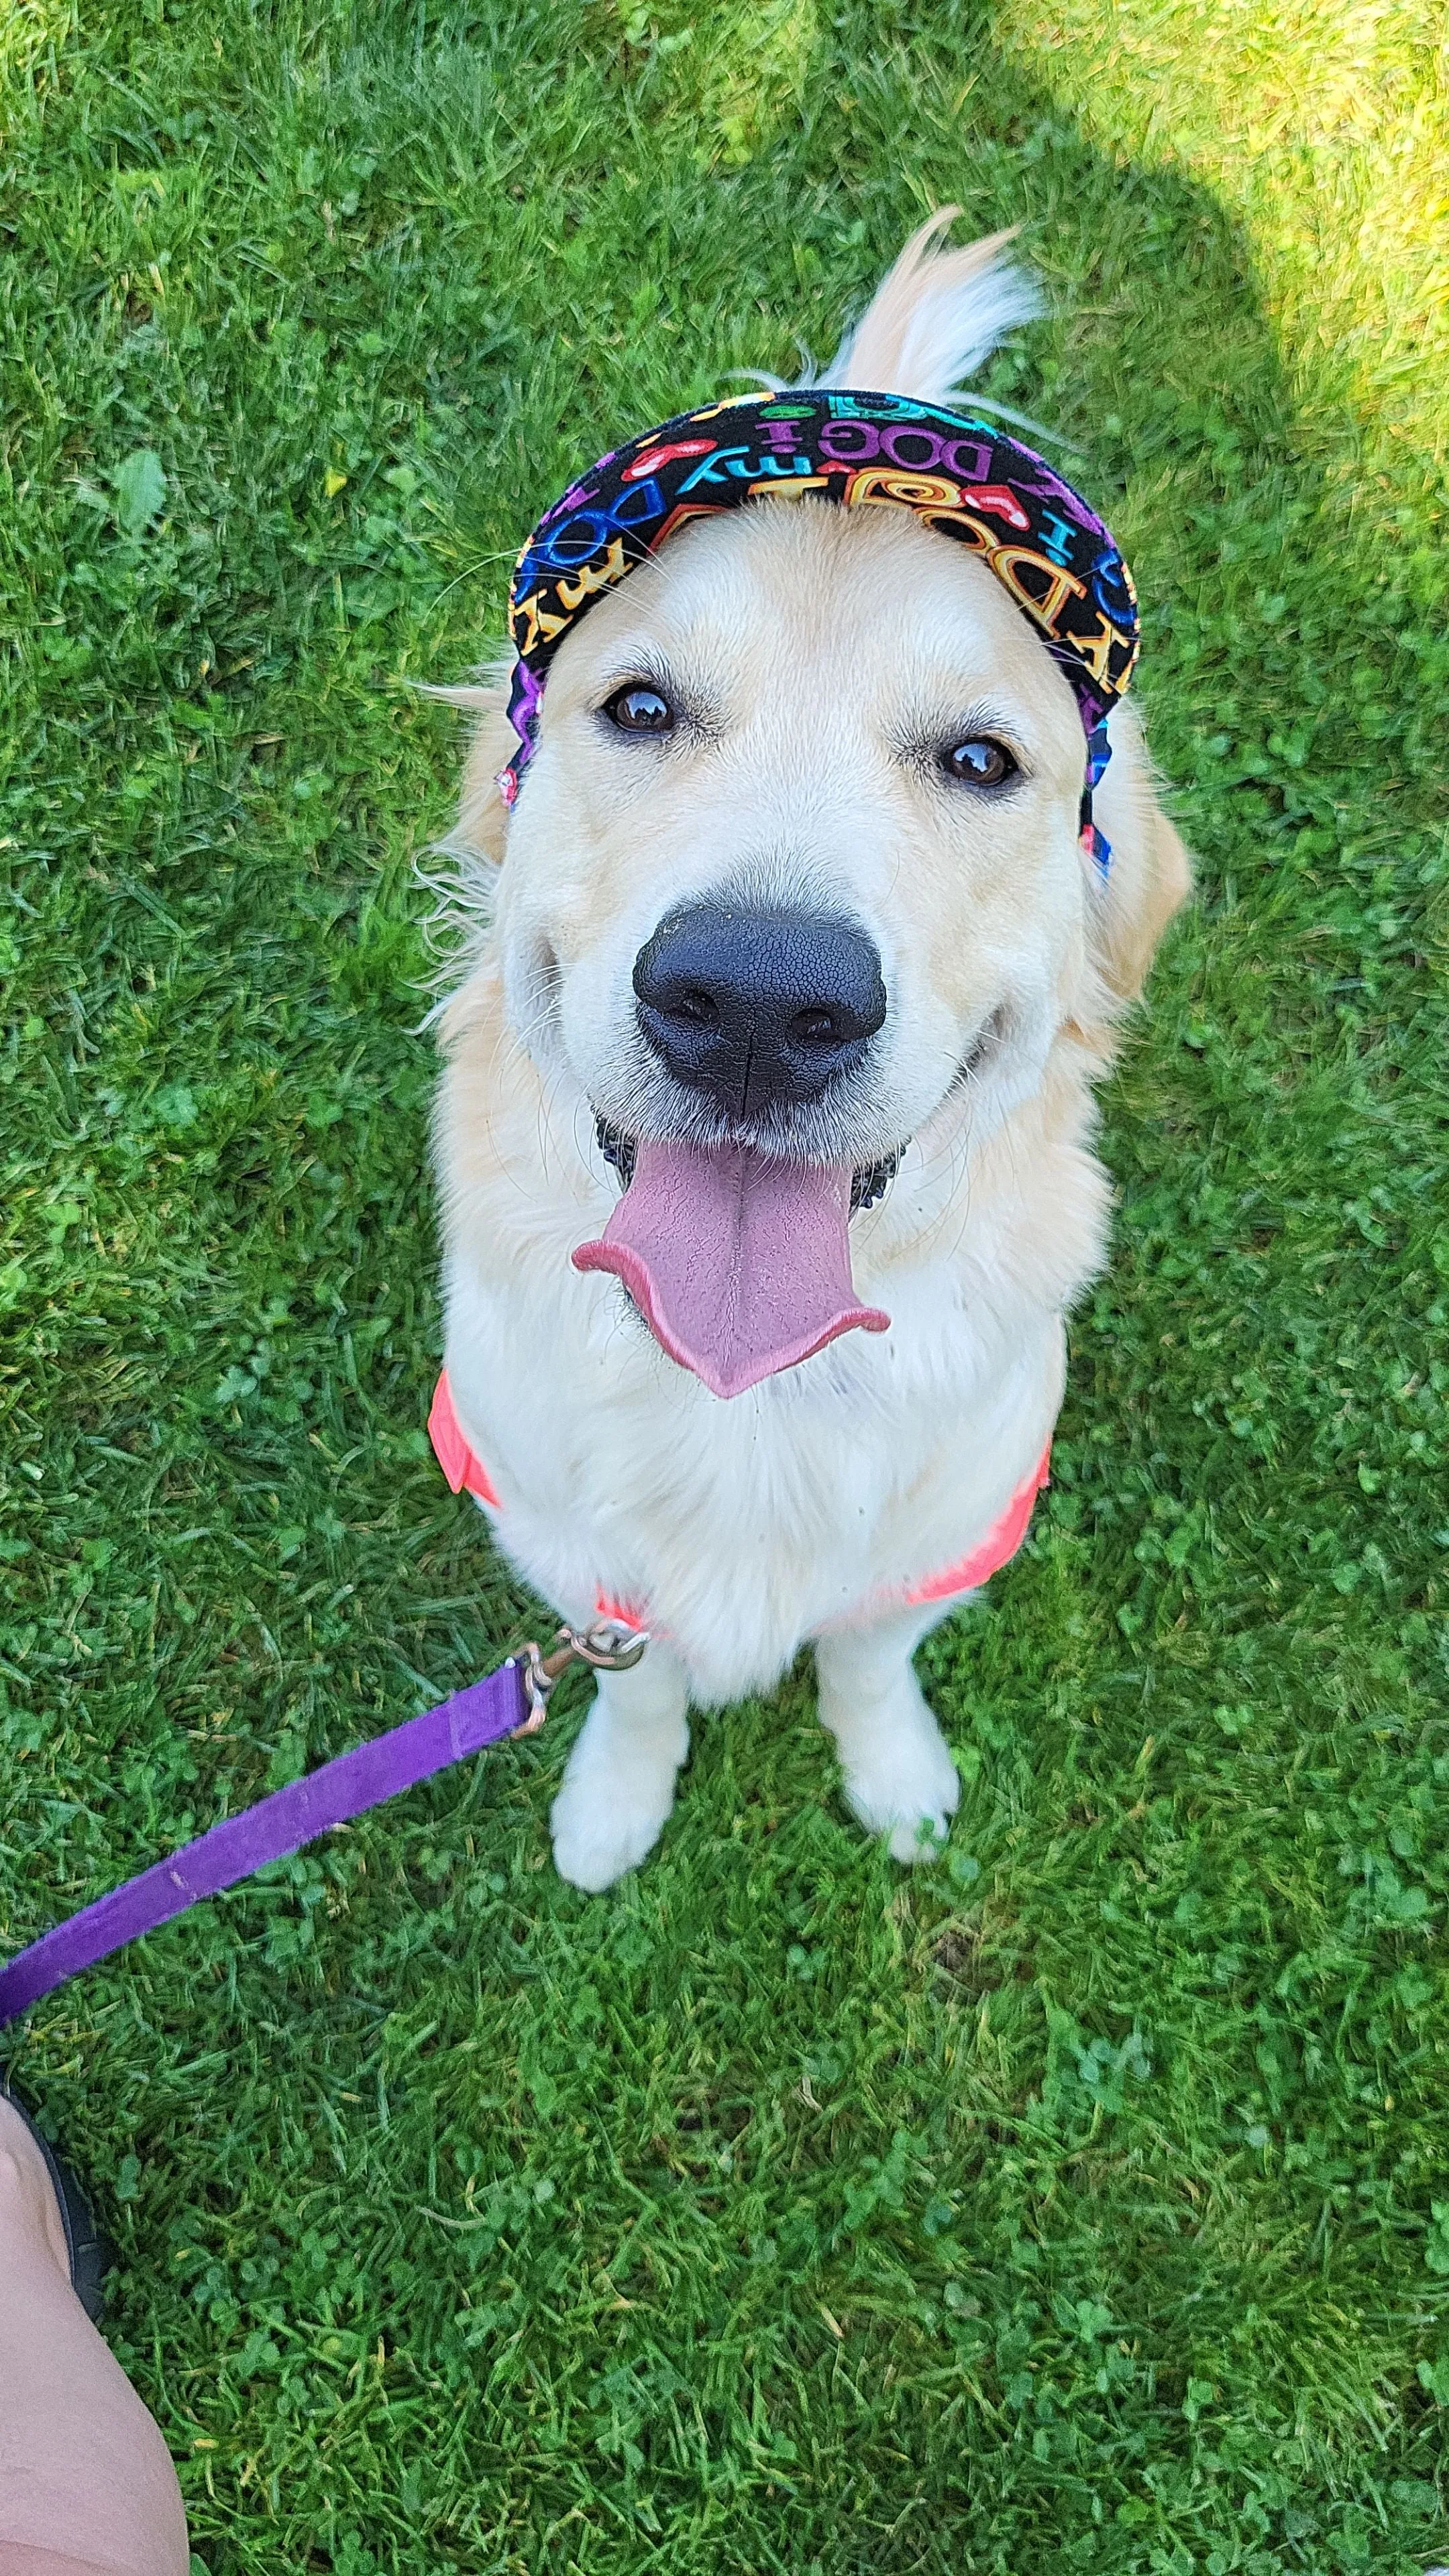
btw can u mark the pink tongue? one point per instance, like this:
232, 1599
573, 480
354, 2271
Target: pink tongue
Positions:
738, 1266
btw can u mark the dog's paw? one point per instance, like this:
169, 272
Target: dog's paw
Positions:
899, 1778
613, 1804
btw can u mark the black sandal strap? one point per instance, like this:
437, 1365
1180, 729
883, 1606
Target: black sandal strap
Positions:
90, 2252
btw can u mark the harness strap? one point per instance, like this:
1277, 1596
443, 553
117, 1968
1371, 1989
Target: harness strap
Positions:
997, 1548
466, 1472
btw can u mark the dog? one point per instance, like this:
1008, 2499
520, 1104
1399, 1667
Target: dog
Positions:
764, 1131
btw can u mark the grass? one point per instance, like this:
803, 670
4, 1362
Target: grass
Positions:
1081, 2201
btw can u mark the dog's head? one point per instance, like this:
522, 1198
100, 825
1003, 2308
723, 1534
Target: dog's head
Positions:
795, 870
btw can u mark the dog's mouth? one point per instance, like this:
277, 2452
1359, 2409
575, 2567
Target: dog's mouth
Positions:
739, 1264
869, 1182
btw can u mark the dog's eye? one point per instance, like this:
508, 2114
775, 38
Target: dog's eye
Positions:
981, 762
638, 709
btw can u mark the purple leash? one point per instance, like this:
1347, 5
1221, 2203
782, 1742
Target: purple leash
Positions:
512, 1701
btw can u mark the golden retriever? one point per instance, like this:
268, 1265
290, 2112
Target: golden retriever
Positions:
814, 762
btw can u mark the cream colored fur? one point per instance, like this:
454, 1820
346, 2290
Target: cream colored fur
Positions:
937, 317
827, 642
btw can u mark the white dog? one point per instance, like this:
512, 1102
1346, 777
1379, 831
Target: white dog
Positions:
793, 929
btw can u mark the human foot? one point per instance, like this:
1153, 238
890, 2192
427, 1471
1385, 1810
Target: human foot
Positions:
44, 2214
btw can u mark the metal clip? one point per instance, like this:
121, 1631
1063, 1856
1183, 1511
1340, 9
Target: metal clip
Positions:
607, 1645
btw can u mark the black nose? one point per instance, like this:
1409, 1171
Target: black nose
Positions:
758, 1009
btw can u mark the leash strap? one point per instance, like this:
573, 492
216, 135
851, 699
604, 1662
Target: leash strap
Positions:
276, 1827
512, 1701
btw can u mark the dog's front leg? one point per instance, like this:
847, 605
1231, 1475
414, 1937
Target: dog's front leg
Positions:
618, 1787
899, 1779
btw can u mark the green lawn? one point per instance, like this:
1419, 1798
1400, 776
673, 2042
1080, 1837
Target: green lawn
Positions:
1081, 2202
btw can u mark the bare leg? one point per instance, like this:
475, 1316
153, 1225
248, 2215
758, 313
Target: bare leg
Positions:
86, 2484
899, 1776
618, 1788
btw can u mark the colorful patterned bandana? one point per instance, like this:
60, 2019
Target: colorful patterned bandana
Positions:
963, 476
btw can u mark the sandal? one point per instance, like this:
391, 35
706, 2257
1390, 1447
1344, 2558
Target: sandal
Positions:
91, 2253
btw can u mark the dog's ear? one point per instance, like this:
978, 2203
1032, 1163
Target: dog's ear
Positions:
1149, 876
482, 815
936, 318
